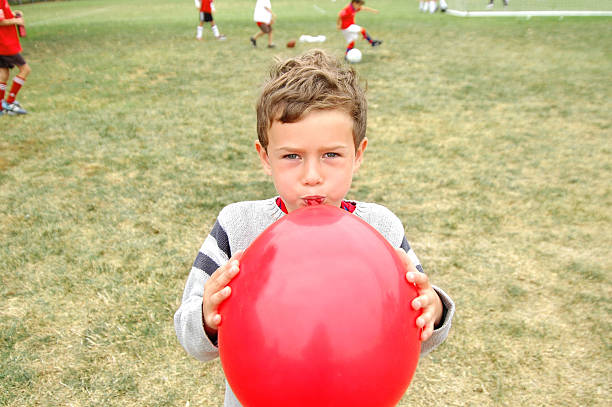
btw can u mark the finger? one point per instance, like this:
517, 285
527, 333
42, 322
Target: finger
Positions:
420, 279
426, 318
226, 273
408, 265
218, 280
214, 321
230, 271
427, 331
213, 304
422, 301
217, 298
405, 259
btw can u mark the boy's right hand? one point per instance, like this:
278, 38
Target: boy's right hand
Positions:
216, 291
18, 17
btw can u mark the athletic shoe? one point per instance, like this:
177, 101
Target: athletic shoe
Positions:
271, 45
490, 5
253, 41
376, 43
13, 108
222, 37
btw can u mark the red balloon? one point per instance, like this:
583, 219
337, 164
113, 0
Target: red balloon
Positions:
319, 315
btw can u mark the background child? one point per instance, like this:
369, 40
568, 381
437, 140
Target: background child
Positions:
264, 17
431, 6
10, 57
207, 9
311, 125
350, 30
490, 5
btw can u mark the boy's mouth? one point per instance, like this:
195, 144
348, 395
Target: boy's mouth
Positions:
313, 200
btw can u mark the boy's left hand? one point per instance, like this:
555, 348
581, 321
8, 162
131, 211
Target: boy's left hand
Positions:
428, 300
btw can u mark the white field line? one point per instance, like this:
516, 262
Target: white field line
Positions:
534, 13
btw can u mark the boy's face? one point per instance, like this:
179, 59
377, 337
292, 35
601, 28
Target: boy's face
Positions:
312, 161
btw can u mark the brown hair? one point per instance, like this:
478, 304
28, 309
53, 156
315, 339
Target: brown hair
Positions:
310, 82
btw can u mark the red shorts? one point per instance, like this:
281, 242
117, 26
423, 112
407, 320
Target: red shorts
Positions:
266, 28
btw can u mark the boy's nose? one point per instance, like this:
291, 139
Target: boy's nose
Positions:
312, 174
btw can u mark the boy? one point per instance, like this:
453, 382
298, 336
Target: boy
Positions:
350, 30
311, 124
491, 5
207, 8
10, 57
264, 17
431, 7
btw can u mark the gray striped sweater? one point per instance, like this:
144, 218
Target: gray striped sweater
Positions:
237, 225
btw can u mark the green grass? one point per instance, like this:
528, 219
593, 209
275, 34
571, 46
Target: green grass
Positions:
490, 138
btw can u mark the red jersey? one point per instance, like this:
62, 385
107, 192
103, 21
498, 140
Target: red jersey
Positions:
206, 6
347, 16
9, 40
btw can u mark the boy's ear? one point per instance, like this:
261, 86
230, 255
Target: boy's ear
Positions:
359, 154
263, 157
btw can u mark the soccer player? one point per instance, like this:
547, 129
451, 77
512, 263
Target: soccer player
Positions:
207, 8
264, 17
490, 5
10, 57
350, 30
431, 7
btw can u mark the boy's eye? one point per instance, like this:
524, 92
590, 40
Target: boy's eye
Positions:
331, 155
291, 156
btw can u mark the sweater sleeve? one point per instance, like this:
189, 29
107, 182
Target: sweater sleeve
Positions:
236, 227
448, 307
188, 319
440, 334
391, 227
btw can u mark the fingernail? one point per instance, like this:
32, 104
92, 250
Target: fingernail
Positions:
410, 277
417, 304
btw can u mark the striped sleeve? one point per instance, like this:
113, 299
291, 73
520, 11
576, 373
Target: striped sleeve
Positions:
411, 255
215, 250
188, 320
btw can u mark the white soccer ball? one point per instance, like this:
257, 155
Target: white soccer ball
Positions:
353, 56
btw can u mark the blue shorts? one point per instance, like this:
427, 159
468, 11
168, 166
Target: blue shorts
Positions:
10, 61
205, 17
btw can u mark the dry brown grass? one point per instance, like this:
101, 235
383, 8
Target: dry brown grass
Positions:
490, 139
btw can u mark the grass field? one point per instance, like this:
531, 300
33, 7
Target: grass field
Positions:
490, 138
